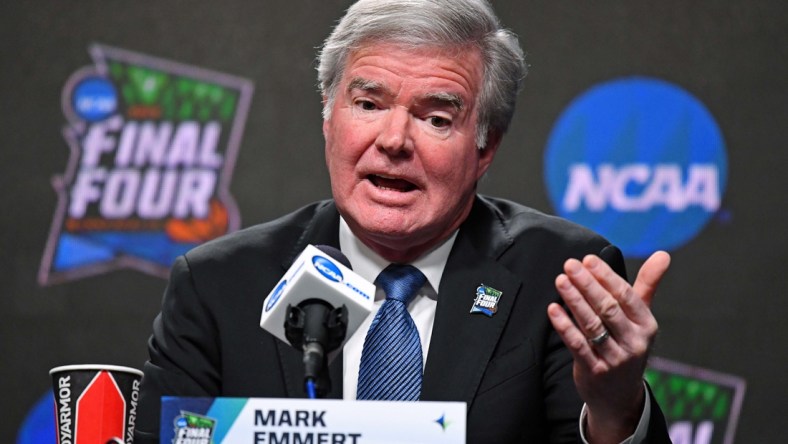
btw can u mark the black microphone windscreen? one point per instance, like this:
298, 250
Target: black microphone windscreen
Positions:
335, 254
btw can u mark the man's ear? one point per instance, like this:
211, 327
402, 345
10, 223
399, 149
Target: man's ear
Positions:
487, 154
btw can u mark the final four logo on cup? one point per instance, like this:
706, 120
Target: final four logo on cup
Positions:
639, 160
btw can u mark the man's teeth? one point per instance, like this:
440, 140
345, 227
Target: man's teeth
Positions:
391, 183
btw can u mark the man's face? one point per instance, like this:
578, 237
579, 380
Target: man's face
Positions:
400, 145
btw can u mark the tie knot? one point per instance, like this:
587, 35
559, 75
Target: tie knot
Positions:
400, 282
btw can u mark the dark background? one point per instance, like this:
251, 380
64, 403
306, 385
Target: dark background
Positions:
721, 307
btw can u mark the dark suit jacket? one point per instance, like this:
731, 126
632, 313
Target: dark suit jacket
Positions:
512, 368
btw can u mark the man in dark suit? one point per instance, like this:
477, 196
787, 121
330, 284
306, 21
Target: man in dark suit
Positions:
417, 96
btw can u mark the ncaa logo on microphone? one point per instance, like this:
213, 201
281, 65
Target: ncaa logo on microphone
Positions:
276, 294
327, 268
639, 160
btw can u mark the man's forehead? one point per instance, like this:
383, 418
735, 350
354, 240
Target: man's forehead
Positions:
379, 66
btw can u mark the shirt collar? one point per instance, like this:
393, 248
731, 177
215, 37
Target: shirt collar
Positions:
368, 264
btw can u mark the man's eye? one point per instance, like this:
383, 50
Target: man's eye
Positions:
366, 105
439, 122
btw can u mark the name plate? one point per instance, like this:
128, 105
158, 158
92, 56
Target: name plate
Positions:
309, 421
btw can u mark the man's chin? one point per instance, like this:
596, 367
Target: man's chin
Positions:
388, 234
393, 243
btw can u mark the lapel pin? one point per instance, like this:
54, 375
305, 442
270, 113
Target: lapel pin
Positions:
486, 301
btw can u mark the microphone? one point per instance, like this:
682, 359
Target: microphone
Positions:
316, 327
315, 307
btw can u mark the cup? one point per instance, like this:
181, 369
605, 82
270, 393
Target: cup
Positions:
95, 404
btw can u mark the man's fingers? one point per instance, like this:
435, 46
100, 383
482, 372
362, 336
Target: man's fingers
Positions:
574, 339
650, 274
632, 305
604, 307
589, 323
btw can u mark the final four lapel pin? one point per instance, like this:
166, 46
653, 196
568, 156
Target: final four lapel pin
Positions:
486, 300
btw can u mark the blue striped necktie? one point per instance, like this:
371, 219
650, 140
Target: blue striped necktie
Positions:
391, 360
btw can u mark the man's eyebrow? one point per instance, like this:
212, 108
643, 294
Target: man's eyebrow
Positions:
436, 98
366, 85
445, 98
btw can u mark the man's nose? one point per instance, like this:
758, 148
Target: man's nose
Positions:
395, 137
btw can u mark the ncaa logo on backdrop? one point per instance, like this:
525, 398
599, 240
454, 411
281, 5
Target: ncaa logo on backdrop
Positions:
152, 147
639, 160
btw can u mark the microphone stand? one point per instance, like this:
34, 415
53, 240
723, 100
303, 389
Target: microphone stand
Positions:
317, 328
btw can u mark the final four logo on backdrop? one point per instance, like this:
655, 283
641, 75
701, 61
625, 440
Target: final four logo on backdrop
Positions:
152, 146
701, 406
639, 160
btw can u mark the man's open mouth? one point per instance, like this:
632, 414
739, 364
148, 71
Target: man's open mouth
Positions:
391, 183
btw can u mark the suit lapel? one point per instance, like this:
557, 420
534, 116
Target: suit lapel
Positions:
322, 229
463, 342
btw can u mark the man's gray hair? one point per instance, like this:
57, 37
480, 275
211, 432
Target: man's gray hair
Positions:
430, 23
